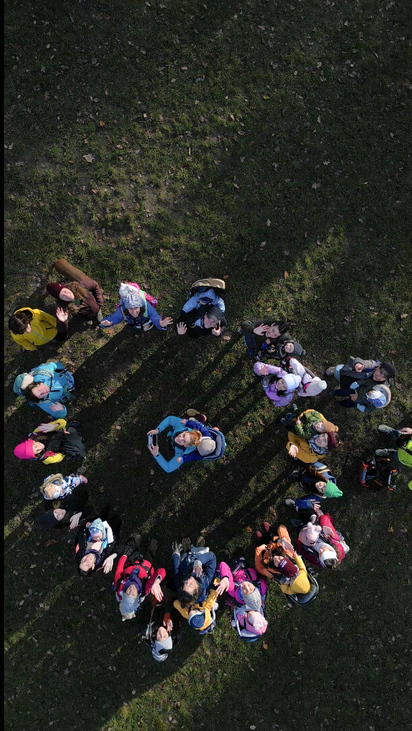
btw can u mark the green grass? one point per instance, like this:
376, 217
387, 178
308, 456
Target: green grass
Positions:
263, 142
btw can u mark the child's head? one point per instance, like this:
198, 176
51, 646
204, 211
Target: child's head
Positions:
29, 449
51, 488
247, 588
206, 446
130, 600
287, 383
256, 622
327, 556
377, 398
52, 491
19, 323
321, 440
95, 533
162, 646
133, 311
132, 299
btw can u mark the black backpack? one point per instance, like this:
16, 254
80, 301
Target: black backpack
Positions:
377, 473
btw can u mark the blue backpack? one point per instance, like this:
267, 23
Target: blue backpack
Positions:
220, 444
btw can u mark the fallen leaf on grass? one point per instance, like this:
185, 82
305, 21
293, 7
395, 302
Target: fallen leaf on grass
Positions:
226, 337
265, 646
89, 157
50, 542
403, 316
285, 275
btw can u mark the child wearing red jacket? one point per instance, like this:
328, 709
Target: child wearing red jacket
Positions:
136, 577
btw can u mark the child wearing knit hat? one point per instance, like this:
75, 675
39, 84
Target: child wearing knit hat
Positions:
136, 308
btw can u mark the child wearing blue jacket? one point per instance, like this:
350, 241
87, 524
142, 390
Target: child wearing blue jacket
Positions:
190, 439
45, 387
136, 310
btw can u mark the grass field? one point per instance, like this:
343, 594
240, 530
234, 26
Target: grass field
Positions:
262, 142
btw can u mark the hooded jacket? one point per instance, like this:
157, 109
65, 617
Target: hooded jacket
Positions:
362, 402
335, 540
44, 327
271, 391
91, 303
257, 343
188, 454
54, 375
305, 452
307, 419
237, 577
146, 573
348, 375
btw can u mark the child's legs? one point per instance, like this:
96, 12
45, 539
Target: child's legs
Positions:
343, 391
338, 369
347, 403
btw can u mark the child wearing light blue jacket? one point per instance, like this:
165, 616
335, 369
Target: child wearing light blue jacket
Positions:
190, 440
45, 387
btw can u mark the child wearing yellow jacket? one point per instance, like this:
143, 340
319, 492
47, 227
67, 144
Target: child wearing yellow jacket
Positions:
32, 328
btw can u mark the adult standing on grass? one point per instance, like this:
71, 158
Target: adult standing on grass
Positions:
79, 294
403, 453
46, 387
32, 328
136, 310
190, 440
194, 570
64, 507
204, 311
267, 336
364, 382
280, 383
97, 542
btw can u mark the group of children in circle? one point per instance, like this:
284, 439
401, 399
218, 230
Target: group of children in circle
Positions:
192, 589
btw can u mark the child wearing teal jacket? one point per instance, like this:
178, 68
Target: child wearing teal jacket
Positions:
45, 387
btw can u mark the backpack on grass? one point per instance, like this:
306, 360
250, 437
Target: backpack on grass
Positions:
377, 473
